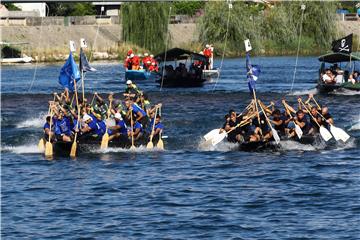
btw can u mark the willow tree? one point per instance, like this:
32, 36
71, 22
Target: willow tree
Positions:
243, 24
271, 30
145, 24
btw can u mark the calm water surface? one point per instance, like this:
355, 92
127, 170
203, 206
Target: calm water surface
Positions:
187, 191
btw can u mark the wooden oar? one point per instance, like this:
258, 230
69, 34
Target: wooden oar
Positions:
48, 145
215, 132
74, 145
41, 144
298, 130
150, 143
160, 143
105, 138
325, 134
132, 131
220, 136
274, 132
338, 133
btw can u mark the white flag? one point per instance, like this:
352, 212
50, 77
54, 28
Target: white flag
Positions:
247, 45
72, 46
83, 43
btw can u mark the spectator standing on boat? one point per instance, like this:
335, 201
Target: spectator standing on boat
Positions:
153, 67
208, 54
127, 61
339, 79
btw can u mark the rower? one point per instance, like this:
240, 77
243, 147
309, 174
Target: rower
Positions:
120, 128
131, 90
93, 127
100, 108
234, 135
138, 112
302, 122
137, 130
327, 120
279, 122
47, 130
159, 128
62, 127
314, 125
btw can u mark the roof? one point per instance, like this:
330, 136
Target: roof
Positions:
339, 57
179, 54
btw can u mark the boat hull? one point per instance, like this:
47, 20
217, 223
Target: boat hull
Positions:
140, 75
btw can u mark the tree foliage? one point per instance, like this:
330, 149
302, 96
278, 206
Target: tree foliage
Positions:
11, 7
71, 9
269, 28
187, 7
145, 24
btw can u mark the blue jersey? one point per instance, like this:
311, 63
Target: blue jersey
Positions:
123, 127
63, 126
159, 126
137, 125
137, 109
46, 125
97, 127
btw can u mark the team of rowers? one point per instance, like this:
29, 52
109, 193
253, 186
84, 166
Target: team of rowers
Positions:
137, 62
134, 117
252, 125
148, 62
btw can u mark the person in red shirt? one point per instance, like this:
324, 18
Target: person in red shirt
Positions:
153, 67
135, 62
208, 54
145, 61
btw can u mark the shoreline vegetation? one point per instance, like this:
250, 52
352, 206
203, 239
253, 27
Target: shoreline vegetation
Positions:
273, 31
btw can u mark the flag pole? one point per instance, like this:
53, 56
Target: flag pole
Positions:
83, 85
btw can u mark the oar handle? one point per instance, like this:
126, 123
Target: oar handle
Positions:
316, 102
309, 112
153, 126
266, 117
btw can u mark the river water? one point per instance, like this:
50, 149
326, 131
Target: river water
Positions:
187, 191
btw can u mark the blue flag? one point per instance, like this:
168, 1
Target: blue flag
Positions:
68, 73
84, 64
253, 72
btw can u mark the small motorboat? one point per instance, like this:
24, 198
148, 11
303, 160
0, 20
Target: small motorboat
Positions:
135, 75
179, 70
335, 60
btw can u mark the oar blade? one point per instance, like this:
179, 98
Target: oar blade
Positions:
160, 144
218, 138
275, 135
211, 134
48, 149
150, 145
325, 134
298, 131
339, 133
41, 145
73, 150
104, 141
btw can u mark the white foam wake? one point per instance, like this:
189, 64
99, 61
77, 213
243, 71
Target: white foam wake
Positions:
140, 149
22, 149
36, 122
296, 146
304, 92
345, 92
224, 146
355, 125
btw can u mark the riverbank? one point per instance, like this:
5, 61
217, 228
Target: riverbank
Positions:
50, 43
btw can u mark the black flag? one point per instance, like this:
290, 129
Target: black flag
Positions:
84, 64
343, 45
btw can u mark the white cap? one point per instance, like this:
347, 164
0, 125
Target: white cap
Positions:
148, 61
118, 116
146, 54
128, 82
131, 55
153, 63
201, 52
87, 117
207, 45
151, 55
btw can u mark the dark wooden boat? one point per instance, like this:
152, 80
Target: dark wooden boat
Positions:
85, 144
271, 145
178, 69
337, 58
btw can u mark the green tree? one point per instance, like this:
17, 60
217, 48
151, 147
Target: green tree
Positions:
187, 7
71, 9
145, 24
11, 7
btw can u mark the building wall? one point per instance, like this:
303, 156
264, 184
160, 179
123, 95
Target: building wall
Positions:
38, 7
